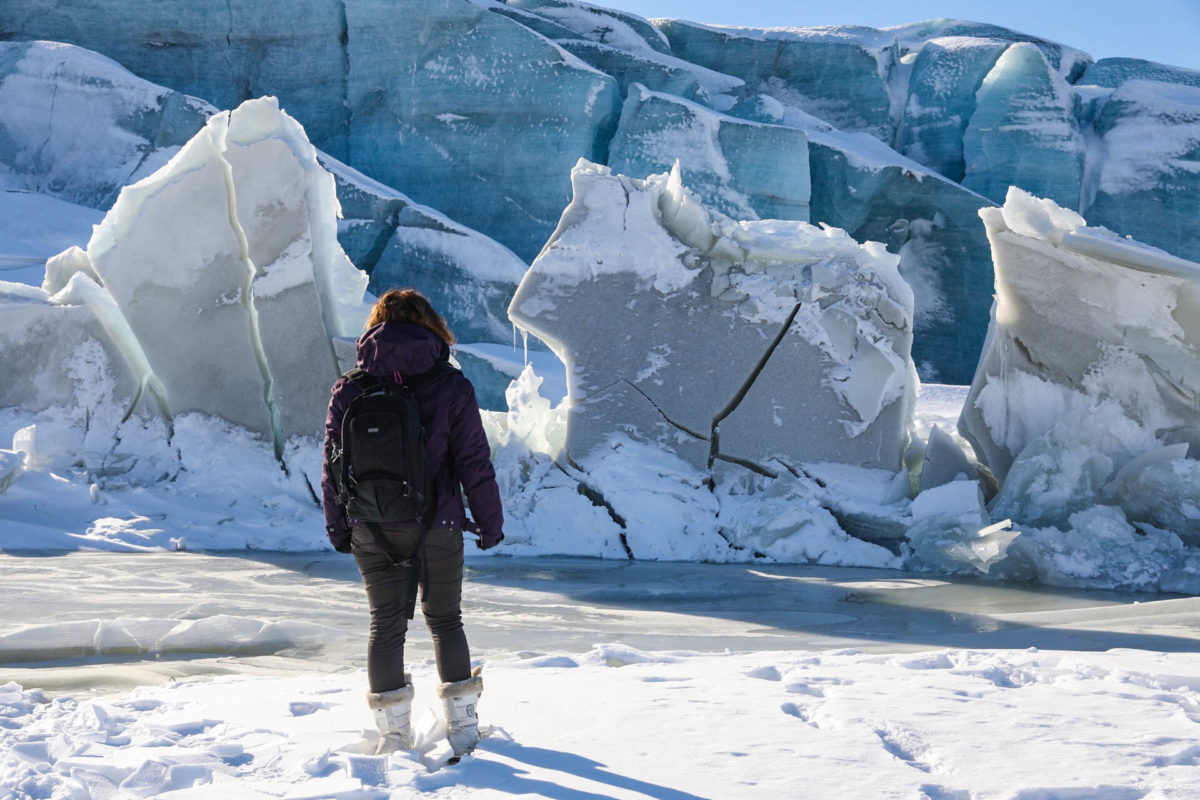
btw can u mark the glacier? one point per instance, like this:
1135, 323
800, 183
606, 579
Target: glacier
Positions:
479, 113
55, 97
745, 170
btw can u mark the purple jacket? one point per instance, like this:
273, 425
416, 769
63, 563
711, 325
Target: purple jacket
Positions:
455, 444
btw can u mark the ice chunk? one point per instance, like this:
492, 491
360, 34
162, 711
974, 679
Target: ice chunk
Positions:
1024, 132
1093, 365
41, 341
1164, 493
1064, 469
1100, 549
743, 169
950, 531
249, 218
1148, 182
11, 465
784, 519
944, 461
701, 350
1077, 322
78, 126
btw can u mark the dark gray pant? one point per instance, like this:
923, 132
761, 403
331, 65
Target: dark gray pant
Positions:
438, 567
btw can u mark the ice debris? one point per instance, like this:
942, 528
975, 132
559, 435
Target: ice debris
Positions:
1086, 404
751, 341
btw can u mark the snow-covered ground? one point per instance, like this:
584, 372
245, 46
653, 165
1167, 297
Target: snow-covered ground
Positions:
187, 675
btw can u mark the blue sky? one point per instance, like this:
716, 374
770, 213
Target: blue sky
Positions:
1158, 30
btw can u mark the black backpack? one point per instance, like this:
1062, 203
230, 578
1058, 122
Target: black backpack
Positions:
381, 470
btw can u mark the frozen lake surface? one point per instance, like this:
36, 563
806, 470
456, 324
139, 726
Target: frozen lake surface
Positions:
94, 621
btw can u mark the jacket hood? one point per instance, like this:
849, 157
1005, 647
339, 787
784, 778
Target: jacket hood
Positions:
392, 347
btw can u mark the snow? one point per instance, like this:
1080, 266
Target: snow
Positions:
33, 227
1105, 726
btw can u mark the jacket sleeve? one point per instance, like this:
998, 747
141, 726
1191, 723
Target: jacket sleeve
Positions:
336, 525
472, 460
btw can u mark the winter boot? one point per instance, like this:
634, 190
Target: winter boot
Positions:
459, 699
393, 715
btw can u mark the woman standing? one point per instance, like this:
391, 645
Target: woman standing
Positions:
408, 341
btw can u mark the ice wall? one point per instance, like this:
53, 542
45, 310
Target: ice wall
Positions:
1089, 388
838, 74
743, 169
1147, 184
468, 277
490, 115
758, 341
78, 126
1024, 132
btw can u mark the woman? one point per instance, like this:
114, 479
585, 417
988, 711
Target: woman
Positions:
406, 339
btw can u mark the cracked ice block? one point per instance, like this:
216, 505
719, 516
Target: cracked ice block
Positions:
78, 126
225, 265
747, 170
715, 338
284, 203
1082, 316
1024, 131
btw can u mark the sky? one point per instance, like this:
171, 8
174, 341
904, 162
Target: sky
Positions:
1158, 30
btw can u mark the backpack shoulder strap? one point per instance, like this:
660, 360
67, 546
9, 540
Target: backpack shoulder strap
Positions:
364, 380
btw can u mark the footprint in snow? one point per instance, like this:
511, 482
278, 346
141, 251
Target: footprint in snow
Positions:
906, 745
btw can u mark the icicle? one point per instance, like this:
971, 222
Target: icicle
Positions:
525, 343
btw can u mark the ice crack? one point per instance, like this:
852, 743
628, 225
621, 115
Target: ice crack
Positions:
256, 340
715, 439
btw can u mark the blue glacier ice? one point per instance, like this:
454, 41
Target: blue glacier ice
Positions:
466, 110
661, 73
1148, 185
837, 74
78, 126
1024, 131
1112, 72
598, 24
946, 74
747, 170
468, 277
107, 127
